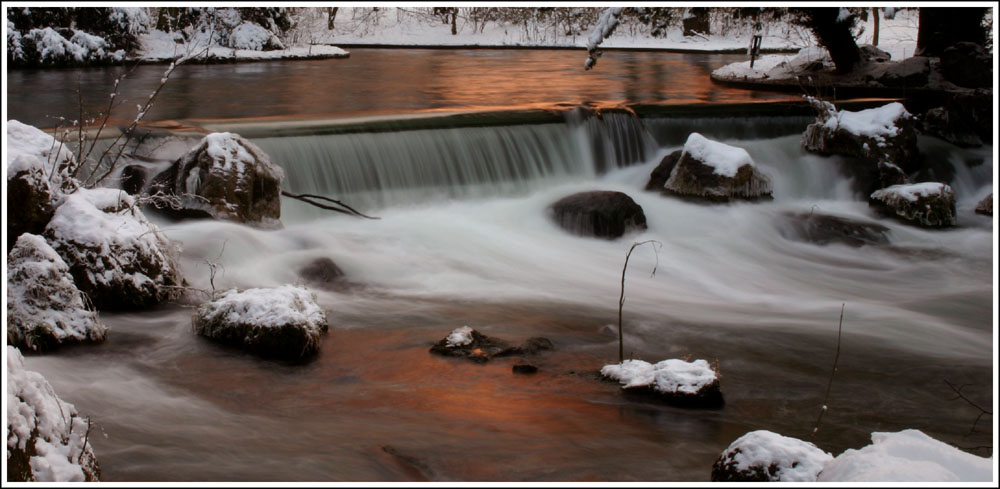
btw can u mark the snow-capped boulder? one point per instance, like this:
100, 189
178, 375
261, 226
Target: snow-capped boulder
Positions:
37, 173
283, 322
658, 177
472, 345
117, 257
927, 204
602, 214
985, 206
224, 177
883, 134
907, 456
713, 171
44, 307
47, 440
823, 229
692, 384
765, 456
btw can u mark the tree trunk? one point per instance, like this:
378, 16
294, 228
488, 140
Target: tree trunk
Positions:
454, 27
331, 13
875, 34
834, 35
942, 27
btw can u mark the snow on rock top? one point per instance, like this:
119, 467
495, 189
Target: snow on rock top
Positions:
251, 36
777, 66
907, 456
459, 337
757, 452
30, 149
46, 437
880, 121
912, 192
668, 376
725, 160
269, 308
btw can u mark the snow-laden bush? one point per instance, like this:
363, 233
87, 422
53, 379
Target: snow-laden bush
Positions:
49, 47
765, 456
73, 36
44, 307
47, 440
116, 256
253, 37
283, 322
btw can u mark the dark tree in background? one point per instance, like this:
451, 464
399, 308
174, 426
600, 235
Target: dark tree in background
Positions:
942, 27
832, 31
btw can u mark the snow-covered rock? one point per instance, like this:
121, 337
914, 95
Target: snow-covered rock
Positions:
282, 322
117, 257
775, 67
44, 307
907, 456
883, 134
253, 37
466, 342
765, 456
37, 171
674, 380
603, 214
927, 204
225, 177
47, 440
714, 171
985, 206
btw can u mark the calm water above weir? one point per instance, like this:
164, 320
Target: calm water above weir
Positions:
376, 81
465, 239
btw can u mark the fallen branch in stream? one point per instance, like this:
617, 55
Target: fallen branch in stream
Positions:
621, 298
343, 209
829, 384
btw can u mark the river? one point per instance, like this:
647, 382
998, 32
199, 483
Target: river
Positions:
464, 239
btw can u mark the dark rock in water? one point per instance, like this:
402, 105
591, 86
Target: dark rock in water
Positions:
967, 64
985, 206
472, 345
602, 214
716, 172
321, 271
29, 192
927, 204
824, 229
524, 369
764, 456
658, 178
133, 179
227, 177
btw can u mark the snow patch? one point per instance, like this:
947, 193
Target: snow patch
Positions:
724, 159
668, 376
874, 123
459, 337
267, 308
252, 37
907, 456
29, 149
912, 192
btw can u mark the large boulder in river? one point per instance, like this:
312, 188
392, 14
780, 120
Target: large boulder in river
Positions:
474, 346
716, 172
603, 214
823, 229
985, 206
283, 322
37, 172
765, 456
47, 439
885, 134
677, 382
321, 271
224, 177
117, 257
927, 204
44, 308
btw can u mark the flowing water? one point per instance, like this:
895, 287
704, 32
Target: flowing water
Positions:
465, 239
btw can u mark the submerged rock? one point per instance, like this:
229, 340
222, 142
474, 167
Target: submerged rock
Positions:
224, 177
44, 308
321, 271
524, 369
47, 440
764, 456
823, 229
681, 383
117, 257
985, 206
472, 345
716, 172
602, 214
283, 322
928, 204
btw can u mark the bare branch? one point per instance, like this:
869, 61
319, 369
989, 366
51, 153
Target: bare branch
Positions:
621, 298
829, 384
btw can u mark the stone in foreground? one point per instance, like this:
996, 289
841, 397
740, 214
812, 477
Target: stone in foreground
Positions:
765, 456
927, 204
601, 214
687, 384
283, 322
44, 307
47, 440
907, 456
472, 345
716, 172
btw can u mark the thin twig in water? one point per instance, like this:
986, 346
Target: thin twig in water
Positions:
346, 208
959, 395
86, 436
621, 298
829, 384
